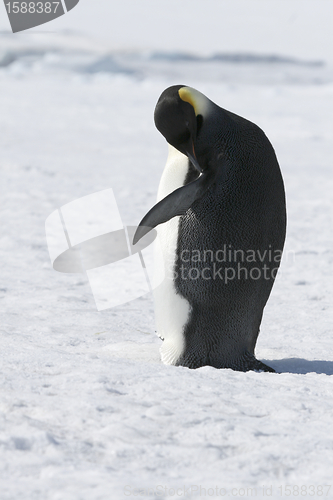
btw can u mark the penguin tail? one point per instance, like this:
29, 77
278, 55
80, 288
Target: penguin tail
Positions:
250, 362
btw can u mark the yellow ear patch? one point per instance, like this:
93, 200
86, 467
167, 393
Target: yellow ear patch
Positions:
187, 96
199, 102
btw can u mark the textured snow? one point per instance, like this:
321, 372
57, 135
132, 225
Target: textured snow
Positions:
87, 409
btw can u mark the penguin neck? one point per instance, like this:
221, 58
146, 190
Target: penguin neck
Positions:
216, 136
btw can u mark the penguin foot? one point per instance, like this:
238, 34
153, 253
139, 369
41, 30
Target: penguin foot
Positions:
246, 362
250, 362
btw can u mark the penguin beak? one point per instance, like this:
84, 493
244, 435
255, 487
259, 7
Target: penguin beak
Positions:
190, 153
194, 162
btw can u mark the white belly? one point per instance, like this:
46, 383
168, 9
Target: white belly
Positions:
171, 310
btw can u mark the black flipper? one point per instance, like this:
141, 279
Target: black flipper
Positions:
176, 203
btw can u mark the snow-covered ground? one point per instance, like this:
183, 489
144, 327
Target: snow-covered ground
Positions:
88, 411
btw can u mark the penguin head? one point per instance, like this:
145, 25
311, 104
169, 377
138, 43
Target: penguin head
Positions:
178, 116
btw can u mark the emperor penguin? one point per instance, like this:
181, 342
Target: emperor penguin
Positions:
221, 223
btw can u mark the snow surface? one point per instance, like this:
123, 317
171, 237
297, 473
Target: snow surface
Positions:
88, 411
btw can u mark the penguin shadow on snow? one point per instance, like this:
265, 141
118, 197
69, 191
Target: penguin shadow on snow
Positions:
302, 366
